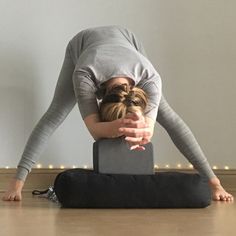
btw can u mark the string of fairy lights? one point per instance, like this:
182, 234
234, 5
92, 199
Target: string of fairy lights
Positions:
166, 166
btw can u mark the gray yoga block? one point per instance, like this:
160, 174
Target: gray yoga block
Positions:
113, 156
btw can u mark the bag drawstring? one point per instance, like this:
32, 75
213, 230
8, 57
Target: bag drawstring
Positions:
37, 192
48, 193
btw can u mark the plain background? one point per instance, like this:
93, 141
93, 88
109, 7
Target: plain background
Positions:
190, 43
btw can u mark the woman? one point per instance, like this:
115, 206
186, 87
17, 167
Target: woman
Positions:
96, 59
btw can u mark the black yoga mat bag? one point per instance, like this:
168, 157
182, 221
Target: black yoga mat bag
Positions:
84, 188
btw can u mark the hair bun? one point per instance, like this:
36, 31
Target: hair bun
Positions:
120, 100
120, 88
130, 98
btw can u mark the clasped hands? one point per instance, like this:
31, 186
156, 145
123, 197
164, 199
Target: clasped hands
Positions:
137, 130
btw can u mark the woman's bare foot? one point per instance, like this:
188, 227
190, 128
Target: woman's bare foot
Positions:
13, 192
218, 192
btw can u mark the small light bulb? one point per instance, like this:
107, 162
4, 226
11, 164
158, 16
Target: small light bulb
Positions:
62, 167
190, 166
226, 168
215, 167
39, 166
85, 166
167, 166
73, 166
156, 166
50, 166
7, 167
179, 165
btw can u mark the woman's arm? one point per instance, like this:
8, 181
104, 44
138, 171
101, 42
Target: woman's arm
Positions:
100, 129
131, 122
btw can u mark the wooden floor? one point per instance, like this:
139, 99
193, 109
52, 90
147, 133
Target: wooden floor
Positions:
38, 216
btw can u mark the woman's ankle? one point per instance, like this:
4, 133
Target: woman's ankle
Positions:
17, 183
215, 182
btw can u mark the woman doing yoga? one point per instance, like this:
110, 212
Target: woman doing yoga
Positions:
119, 93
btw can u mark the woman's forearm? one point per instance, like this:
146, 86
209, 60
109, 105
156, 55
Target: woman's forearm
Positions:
104, 130
100, 129
132, 126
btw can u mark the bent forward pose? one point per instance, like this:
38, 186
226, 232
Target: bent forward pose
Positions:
119, 93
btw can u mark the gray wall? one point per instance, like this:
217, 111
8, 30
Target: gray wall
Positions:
191, 44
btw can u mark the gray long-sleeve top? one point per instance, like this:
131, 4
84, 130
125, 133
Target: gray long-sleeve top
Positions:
108, 52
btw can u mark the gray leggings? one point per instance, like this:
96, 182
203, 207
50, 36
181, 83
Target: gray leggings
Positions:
63, 102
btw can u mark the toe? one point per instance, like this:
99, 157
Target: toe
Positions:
221, 197
12, 198
216, 198
17, 198
231, 198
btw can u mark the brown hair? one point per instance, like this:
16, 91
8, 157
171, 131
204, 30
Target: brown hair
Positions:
120, 100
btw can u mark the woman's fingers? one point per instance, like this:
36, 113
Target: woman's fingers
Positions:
137, 143
133, 141
136, 130
133, 116
145, 141
134, 120
136, 136
129, 123
137, 147
136, 133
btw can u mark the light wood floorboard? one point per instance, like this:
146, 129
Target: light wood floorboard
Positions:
38, 216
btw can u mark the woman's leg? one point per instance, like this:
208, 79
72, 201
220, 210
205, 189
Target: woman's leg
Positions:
61, 105
177, 129
183, 138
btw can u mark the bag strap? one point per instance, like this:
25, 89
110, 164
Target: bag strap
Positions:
38, 192
48, 193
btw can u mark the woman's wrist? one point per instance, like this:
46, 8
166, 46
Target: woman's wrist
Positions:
100, 129
113, 130
108, 129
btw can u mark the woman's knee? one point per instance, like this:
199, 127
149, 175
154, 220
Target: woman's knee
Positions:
57, 112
